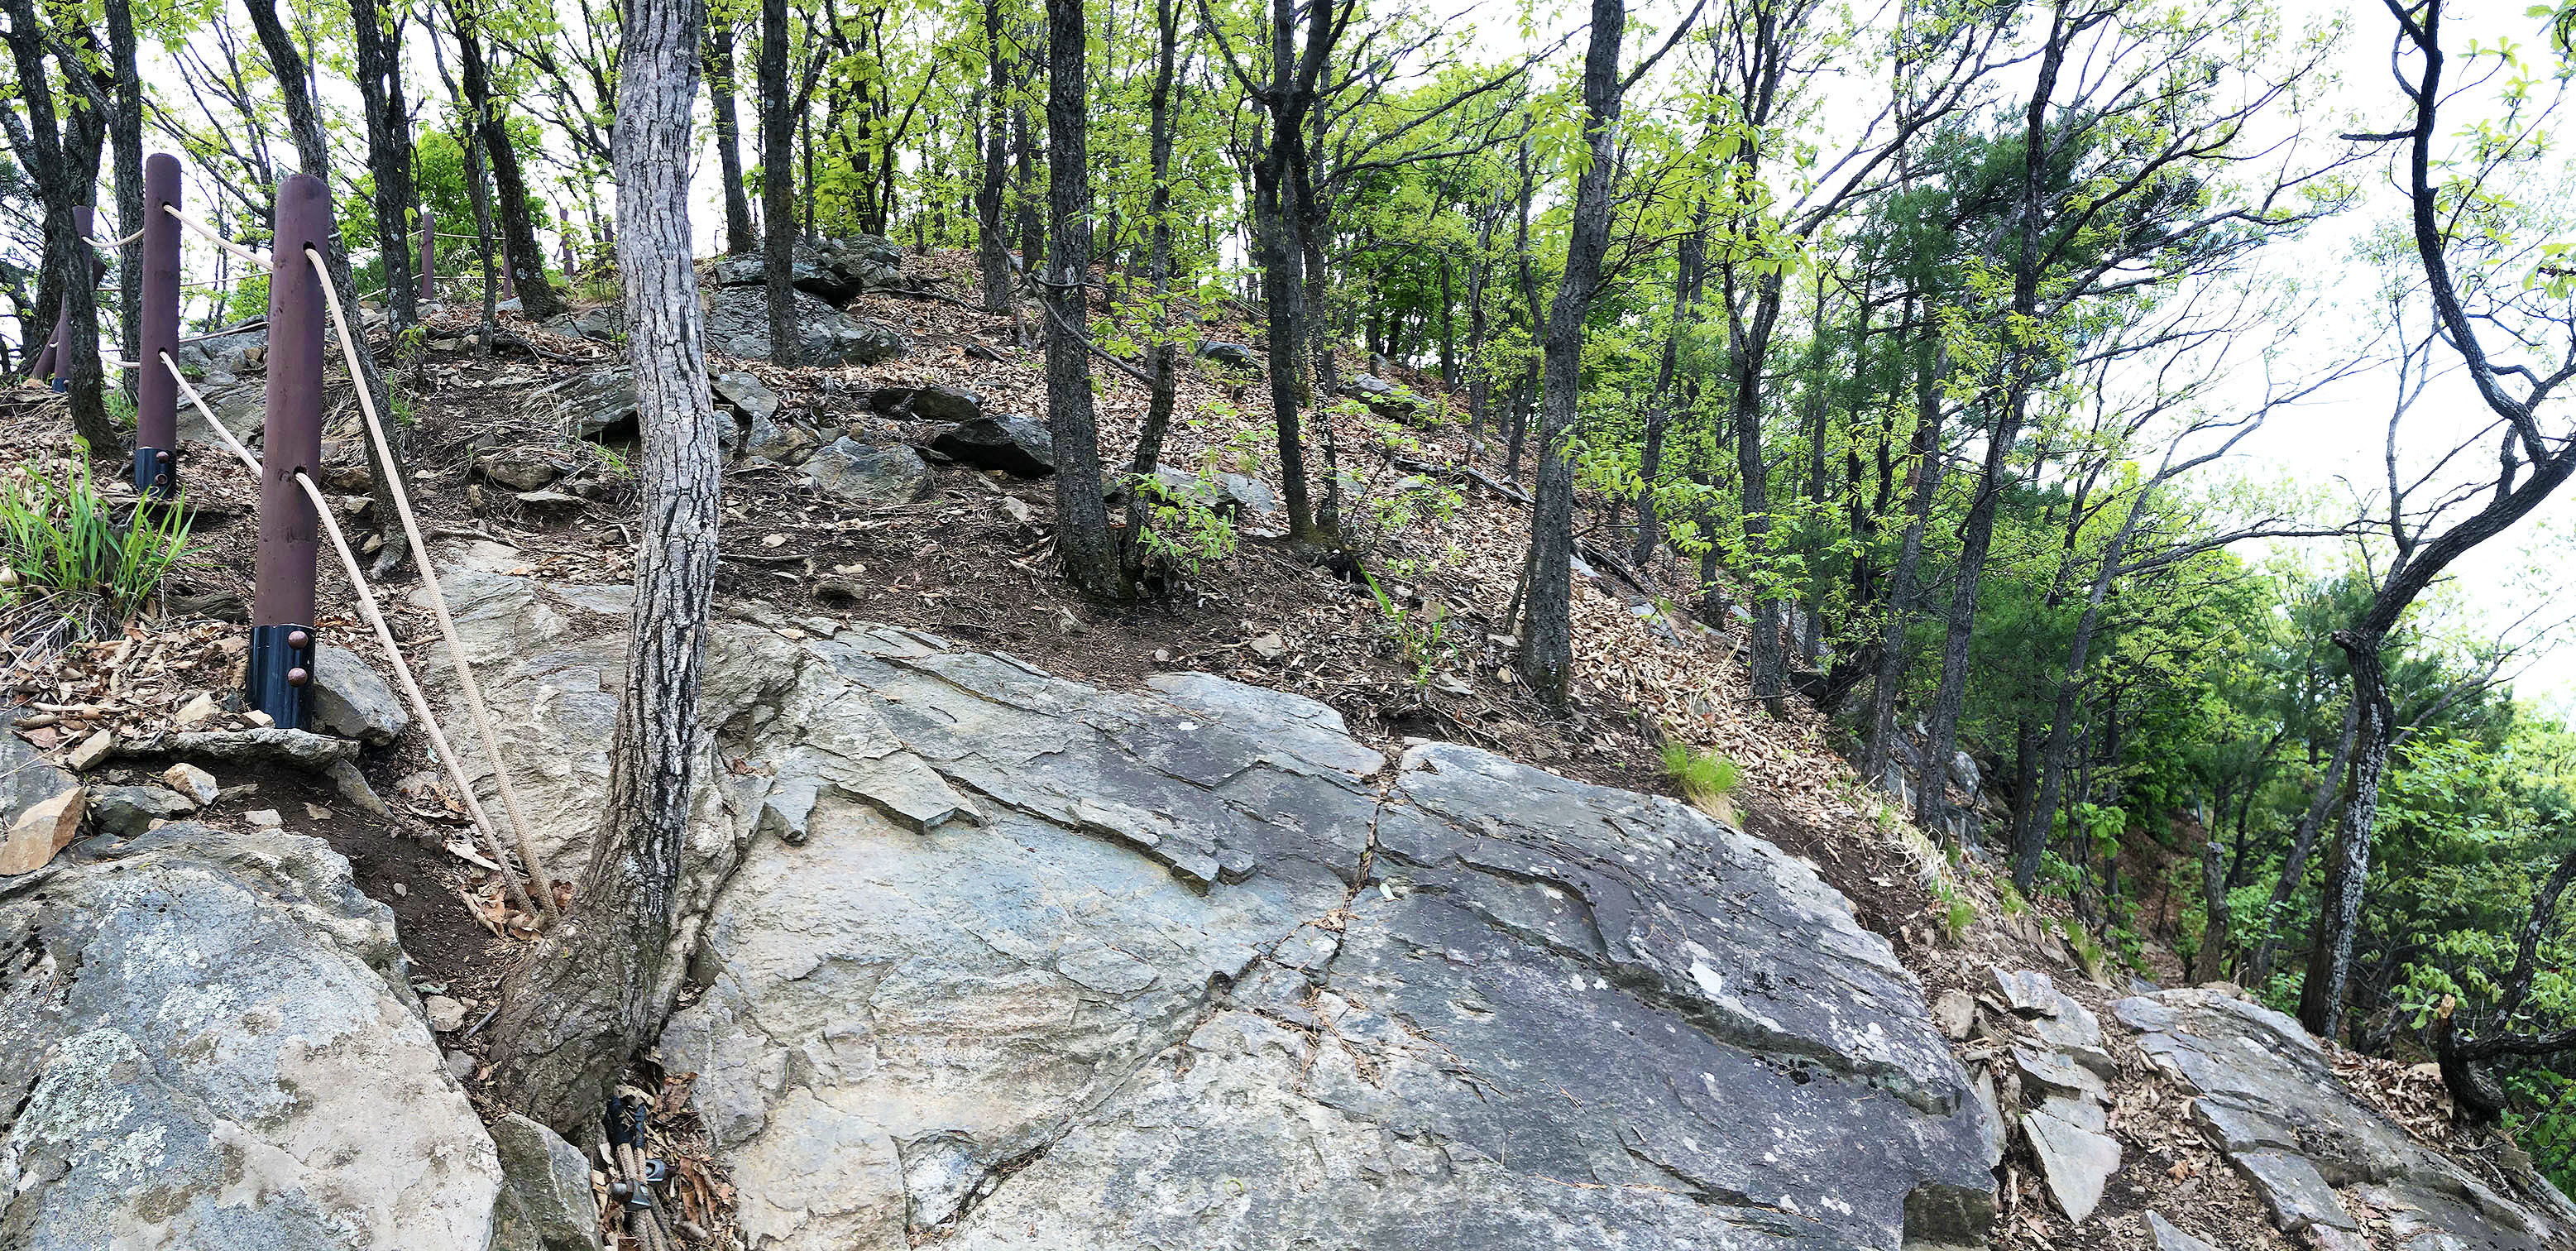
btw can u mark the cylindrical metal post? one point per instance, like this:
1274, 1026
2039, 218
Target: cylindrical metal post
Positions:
156, 393
428, 254
281, 636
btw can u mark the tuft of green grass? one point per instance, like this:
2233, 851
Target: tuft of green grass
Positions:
1706, 778
69, 556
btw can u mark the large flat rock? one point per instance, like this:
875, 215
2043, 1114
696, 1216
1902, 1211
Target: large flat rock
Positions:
208, 1044
1012, 961
2265, 1094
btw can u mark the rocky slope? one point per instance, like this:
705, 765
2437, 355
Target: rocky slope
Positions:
1020, 962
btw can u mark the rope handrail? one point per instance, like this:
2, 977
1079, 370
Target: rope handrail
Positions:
465, 682
260, 259
367, 607
481, 820
248, 461
97, 242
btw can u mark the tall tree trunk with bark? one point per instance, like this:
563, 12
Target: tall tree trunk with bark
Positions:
1690, 257
1082, 514
1977, 534
379, 55
125, 141
601, 983
739, 238
1547, 651
777, 183
992, 241
526, 262
1879, 736
61, 155
2303, 841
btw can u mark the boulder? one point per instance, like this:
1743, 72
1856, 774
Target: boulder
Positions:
2169, 1238
2264, 1093
233, 350
2075, 1157
781, 442
874, 474
209, 1043
1231, 355
1013, 444
125, 811
738, 326
743, 394
585, 405
241, 407
352, 700
836, 270
545, 1201
1034, 964
946, 404
604, 324
1232, 494
1384, 398
519, 468
41, 806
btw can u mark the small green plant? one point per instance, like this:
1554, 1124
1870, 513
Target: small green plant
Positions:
1181, 530
1707, 779
1421, 633
612, 460
1957, 912
120, 408
68, 556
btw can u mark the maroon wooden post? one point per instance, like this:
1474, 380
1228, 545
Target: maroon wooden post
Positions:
49, 367
428, 254
156, 393
281, 635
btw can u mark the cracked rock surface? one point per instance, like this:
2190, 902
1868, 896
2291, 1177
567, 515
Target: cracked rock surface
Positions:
207, 1042
2266, 1095
1010, 961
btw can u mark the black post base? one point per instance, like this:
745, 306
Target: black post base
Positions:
281, 674
156, 473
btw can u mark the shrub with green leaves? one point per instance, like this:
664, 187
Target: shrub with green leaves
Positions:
71, 556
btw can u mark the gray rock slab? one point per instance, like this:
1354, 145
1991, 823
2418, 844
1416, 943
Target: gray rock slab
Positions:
208, 1042
352, 700
2077, 1161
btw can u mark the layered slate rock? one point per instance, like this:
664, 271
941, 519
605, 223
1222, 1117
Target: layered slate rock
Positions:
1015, 962
2265, 1095
738, 325
208, 1043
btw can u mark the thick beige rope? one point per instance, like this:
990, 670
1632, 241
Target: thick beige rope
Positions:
411, 687
248, 461
256, 258
465, 683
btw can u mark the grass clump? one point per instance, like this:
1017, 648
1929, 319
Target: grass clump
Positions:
69, 558
1706, 778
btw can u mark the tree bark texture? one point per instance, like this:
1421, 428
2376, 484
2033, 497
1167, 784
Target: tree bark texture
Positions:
600, 984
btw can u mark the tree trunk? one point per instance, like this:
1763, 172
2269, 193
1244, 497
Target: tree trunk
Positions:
525, 261
1977, 535
2209, 964
1082, 517
389, 159
992, 244
1547, 651
2294, 863
1925, 449
600, 984
720, 90
2321, 997
777, 183
62, 159
125, 140
1689, 255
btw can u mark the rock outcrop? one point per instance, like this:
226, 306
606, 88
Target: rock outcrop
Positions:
2264, 1094
738, 325
207, 1042
1024, 963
